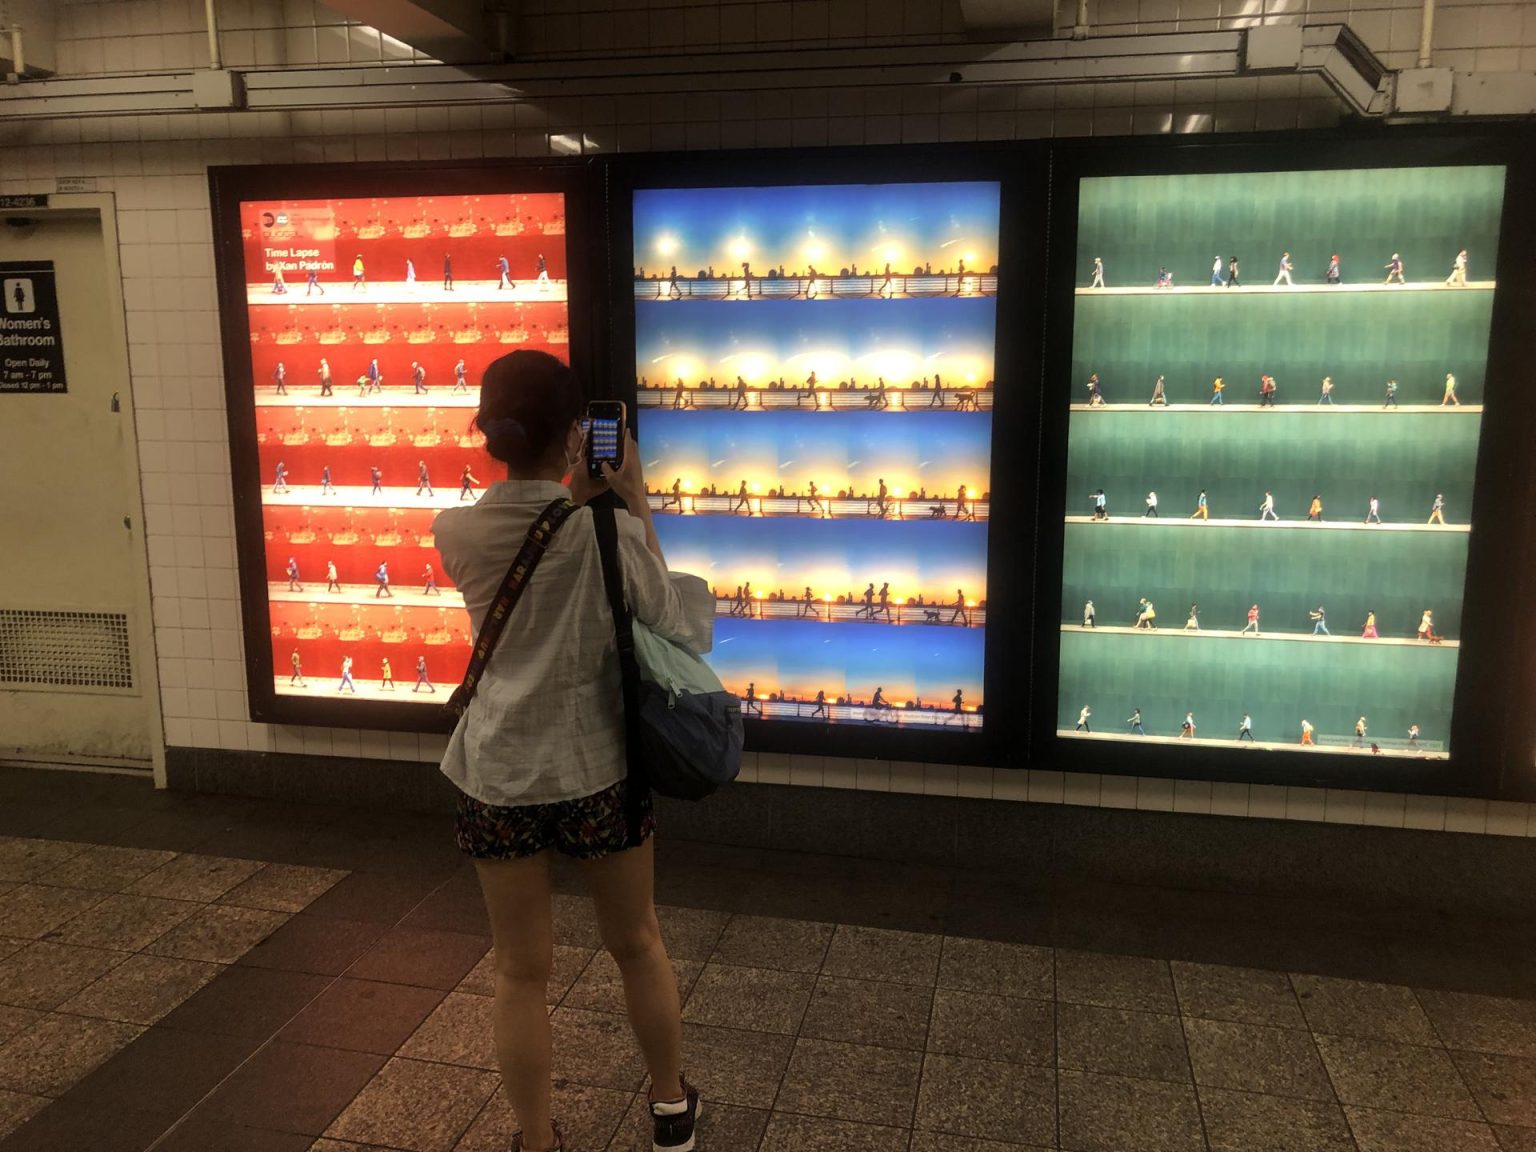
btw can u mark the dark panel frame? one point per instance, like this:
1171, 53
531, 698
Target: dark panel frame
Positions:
228, 186
1020, 169
1495, 698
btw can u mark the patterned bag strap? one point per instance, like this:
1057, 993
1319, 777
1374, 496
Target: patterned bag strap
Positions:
512, 586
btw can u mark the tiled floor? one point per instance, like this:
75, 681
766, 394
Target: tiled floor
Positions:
199, 975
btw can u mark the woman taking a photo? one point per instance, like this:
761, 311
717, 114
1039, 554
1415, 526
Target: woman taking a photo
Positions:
539, 755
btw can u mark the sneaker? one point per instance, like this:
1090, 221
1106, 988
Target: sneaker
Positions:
673, 1131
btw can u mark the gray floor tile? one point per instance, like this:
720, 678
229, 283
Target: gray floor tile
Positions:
16, 1108
588, 1118
755, 999
770, 942
997, 968
787, 1131
1505, 1087
596, 1048
44, 974
34, 910
1254, 1058
988, 1026
106, 869
23, 859
196, 877
124, 922
1515, 1139
459, 1031
51, 1056
868, 1012
943, 1142
1246, 1122
1363, 1009
9, 945
283, 888
690, 933
218, 933
1397, 1077
1241, 995
1119, 1114
725, 1126
851, 1082
600, 987
16, 1020
364, 1016
735, 1067
575, 922
1376, 1131
1115, 1042
568, 964
883, 954
1482, 1023
142, 989
987, 1100
415, 1106
1132, 982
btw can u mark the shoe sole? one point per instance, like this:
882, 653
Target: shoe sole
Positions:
698, 1110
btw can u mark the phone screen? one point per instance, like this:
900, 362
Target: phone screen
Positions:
605, 437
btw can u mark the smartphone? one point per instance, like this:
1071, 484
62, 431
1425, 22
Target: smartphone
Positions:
605, 436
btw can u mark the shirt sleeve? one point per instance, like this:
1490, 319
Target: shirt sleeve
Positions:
676, 607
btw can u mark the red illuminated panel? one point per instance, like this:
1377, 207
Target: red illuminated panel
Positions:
371, 322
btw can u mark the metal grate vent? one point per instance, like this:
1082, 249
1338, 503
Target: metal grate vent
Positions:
65, 649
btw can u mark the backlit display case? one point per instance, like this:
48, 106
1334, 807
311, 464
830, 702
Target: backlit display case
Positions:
818, 384
1276, 408
357, 328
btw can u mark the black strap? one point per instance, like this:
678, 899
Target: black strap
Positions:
512, 586
607, 529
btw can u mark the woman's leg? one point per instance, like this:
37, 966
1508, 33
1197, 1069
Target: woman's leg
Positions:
517, 897
623, 886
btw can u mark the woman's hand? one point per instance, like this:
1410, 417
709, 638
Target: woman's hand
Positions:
583, 485
628, 481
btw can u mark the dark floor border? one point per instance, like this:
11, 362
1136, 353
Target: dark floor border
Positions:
1450, 873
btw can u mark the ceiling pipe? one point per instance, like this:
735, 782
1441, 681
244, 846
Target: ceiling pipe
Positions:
215, 59
1426, 32
18, 57
1080, 29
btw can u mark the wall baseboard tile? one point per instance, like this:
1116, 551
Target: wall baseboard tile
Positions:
1415, 850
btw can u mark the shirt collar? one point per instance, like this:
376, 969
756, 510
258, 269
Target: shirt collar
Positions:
524, 492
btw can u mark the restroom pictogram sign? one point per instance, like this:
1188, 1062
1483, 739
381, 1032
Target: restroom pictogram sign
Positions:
31, 338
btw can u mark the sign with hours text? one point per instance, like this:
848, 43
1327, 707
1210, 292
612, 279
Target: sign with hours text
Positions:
31, 341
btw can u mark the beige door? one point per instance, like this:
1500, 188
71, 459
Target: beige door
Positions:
77, 679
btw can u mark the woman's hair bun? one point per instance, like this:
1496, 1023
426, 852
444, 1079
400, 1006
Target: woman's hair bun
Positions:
505, 435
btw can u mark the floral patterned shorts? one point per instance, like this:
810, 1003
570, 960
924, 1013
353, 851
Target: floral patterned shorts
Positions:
584, 829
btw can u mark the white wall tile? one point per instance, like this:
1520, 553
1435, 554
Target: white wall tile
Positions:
1344, 806
907, 776
1082, 788
1304, 803
1426, 812
1384, 809
1118, 792
1466, 815
971, 781
940, 780
1192, 796
1507, 818
1046, 787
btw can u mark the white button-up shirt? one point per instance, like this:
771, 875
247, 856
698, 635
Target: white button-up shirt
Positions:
546, 723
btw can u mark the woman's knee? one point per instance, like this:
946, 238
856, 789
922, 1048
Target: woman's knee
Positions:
520, 968
635, 944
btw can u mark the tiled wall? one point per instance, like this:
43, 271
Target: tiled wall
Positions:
155, 166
